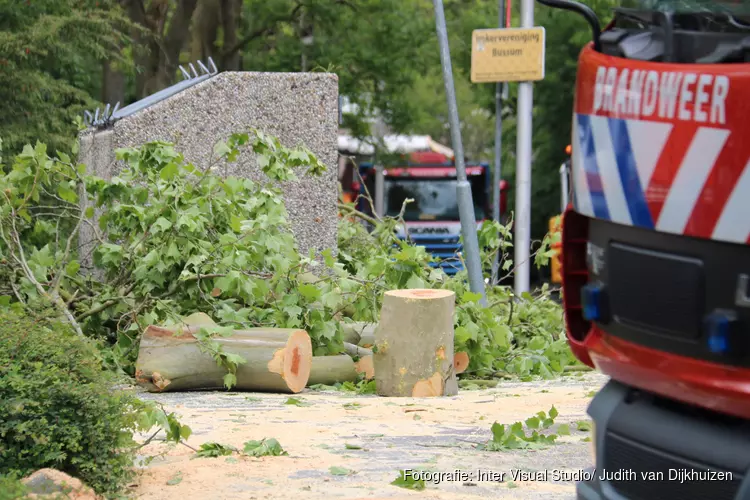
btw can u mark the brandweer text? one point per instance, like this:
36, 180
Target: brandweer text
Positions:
642, 94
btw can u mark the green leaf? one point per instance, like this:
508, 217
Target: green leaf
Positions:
583, 425
352, 446
266, 447
408, 481
72, 268
341, 471
563, 430
297, 402
310, 292
532, 423
213, 450
415, 282
176, 479
553, 413
230, 380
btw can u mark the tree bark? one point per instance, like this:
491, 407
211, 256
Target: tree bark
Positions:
205, 29
359, 333
413, 353
160, 51
113, 85
231, 11
171, 359
329, 370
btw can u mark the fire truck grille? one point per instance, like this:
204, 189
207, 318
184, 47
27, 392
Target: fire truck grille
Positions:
623, 454
659, 292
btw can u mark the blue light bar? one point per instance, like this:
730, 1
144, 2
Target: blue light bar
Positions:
591, 299
718, 325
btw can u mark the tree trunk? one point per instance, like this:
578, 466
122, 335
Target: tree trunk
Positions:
171, 359
205, 29
329, 370
159, 51
231, 10
414, 341
113, 85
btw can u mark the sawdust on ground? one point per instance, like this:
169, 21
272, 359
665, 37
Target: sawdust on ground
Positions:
372, 437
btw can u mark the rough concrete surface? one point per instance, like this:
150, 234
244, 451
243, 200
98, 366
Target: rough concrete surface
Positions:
298, 108
392, 434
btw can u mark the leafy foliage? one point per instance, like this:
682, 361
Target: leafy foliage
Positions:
410, 483
49, 50
213, 450
57, 408
265, 447
512, 437
12, 489
174, 239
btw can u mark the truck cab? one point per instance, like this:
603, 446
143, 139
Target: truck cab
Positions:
432, 219
656, 248
423, 171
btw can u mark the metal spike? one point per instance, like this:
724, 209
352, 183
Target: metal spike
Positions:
105, 117
203, 68
185, 74
87, 118
96, 117
213, 66
192, 68
117, 106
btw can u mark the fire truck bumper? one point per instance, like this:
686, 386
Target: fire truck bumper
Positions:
648, 447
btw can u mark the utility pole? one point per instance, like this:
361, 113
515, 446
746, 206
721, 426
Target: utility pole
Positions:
522, 222
497, 175
463, 188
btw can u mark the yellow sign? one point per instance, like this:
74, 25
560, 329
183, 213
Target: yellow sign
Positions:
507, 55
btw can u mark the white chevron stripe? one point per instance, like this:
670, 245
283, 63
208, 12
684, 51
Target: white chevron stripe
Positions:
647, 139
688, 184
580, 183
611, 182
734, 223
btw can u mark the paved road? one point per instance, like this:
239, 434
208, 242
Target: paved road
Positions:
384, 436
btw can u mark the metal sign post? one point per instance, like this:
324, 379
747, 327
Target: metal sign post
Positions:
463, 188
522, 223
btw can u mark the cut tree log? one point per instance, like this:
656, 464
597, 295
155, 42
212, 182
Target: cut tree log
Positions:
359, 333
329, 370
460, 361
355, 351
414, 341
171, 359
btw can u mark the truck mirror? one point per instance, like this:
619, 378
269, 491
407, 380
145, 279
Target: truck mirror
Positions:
584, 11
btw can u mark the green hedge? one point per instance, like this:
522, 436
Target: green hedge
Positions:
57, 406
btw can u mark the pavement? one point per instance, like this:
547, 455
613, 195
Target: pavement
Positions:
348, 446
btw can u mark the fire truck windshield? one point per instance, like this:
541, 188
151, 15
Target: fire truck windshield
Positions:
733, 7
434, 199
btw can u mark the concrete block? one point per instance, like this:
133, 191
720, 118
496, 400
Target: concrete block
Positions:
298, 108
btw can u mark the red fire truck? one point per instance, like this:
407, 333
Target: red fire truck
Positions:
656, 248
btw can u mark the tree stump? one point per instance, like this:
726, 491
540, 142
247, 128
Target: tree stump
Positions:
413, 354
171, 359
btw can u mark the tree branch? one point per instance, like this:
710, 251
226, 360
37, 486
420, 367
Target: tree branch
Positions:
261, 32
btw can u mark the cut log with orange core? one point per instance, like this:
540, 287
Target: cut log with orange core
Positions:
460, 362
171, 358
413, 352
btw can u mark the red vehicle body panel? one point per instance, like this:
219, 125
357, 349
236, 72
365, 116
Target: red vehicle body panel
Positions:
711, 187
